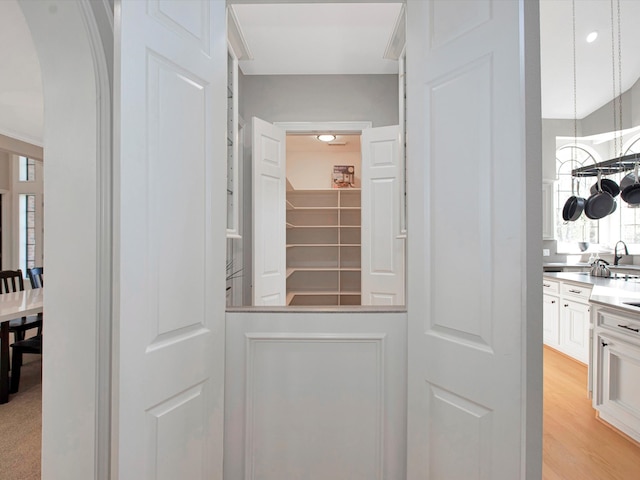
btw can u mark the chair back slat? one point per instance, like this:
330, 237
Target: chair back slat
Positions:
36, 277
12, 281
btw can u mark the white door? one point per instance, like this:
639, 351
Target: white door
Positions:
170, 115
382, 243
474, 291
269, 214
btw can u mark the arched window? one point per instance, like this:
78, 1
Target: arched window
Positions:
629, 229
568, 234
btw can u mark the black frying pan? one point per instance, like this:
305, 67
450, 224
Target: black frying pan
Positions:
628, 179
606, 185
631, 193
573, 207
600, 204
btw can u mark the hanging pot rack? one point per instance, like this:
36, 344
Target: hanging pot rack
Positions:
608, 167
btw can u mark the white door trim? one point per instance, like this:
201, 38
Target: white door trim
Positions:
311, 127
92, 25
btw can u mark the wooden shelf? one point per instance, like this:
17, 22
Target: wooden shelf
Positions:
322, 270
291, 245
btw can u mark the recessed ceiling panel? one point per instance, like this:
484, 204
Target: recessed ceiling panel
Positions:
331, 38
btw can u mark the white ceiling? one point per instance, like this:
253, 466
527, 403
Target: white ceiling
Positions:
352, 38
317, 38
594, 71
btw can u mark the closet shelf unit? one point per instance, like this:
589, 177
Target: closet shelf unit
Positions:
323, 247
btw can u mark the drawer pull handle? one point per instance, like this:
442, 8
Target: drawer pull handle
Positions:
604, 344
553, 301
546, 285
566, 304
629, 328
575, 291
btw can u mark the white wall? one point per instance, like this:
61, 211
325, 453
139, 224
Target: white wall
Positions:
310, 170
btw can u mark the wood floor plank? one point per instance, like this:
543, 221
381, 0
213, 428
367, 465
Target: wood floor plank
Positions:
576, 445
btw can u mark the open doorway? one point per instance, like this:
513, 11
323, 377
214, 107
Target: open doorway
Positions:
323, 229
312, 97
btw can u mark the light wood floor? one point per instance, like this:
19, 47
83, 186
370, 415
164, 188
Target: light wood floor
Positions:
575, 444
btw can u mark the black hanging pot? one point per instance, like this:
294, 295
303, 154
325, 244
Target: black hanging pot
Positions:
631, 194
600, 204
574, 206
608, 186
627, 180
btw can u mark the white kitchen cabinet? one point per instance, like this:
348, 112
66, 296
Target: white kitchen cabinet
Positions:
574, 330
548, 211
616, 349
323, 247
566, 318
551, 323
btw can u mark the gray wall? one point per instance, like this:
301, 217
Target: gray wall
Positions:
600, 121
318, 98
5, 171
307, 98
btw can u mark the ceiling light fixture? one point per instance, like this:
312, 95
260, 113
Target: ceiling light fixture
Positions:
326, 138
592, 37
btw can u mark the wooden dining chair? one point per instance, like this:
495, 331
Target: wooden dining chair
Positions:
18, 349
36, 277
13, 281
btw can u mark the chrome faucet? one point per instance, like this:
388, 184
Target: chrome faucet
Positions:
616, 257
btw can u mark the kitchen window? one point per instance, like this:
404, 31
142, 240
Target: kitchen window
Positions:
623, 224
568, 234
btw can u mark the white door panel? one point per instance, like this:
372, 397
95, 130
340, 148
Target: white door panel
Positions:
169, 103
269, 215
382, 249
473, 286
315, 395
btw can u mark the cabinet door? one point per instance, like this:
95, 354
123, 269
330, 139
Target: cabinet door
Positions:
618, 389
551, 320
574, 330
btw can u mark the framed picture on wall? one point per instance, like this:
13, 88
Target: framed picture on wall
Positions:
343, 176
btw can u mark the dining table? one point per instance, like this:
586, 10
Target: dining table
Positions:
14, 305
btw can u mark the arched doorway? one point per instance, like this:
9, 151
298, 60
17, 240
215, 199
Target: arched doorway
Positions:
69, 37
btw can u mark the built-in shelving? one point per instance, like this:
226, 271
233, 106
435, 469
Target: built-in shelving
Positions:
323, 247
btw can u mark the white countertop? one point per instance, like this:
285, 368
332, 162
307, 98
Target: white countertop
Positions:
613, 292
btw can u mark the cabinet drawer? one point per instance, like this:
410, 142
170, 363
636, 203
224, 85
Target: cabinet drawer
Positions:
619, 323
577, 292
550, 286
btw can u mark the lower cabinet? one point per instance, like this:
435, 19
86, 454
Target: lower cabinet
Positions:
551, 323
574, 330
616, 357
566, 318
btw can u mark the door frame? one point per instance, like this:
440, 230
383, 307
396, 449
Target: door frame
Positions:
343, 128
76, 45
